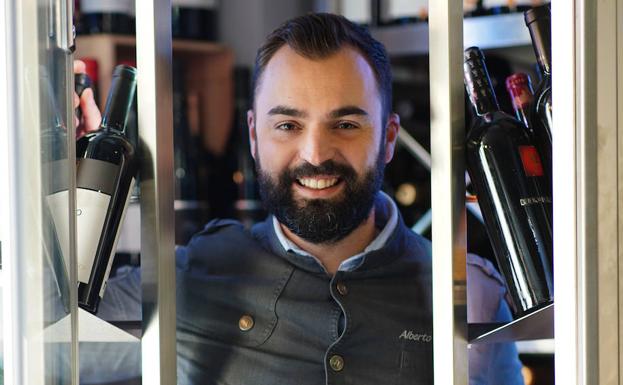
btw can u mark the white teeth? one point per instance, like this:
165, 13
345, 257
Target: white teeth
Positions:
317, 184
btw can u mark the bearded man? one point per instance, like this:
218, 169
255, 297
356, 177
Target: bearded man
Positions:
332, 287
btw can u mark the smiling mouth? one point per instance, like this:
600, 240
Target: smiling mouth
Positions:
318, 183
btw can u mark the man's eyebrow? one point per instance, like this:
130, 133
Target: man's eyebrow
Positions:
347, 110
285, 110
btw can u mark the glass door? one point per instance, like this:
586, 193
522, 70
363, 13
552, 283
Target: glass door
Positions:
37, 179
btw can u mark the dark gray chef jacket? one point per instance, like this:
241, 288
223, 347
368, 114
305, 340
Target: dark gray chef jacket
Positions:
269, 317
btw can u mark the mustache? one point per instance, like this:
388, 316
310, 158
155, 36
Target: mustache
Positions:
328, 167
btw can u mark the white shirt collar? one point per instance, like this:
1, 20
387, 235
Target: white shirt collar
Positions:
386, 212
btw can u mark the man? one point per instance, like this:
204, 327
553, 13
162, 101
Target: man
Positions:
333, 287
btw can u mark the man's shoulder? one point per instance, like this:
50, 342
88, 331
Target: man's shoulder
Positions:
217, 225
219, 240
219, 243
414, 245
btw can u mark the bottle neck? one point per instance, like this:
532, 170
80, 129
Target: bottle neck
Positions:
520, 90
110, 125
478, 84
120, 98
540, 32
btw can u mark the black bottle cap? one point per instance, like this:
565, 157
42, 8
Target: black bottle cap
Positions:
120, 98
125, 71
81, 83
473, 53
536, 13
477, 82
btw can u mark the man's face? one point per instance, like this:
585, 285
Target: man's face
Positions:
317, 137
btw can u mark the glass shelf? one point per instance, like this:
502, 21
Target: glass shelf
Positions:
486, 32
537, 325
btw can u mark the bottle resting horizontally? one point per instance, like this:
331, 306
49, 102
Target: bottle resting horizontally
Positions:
106, 170
511, 185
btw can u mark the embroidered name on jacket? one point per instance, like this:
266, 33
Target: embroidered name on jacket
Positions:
409, 335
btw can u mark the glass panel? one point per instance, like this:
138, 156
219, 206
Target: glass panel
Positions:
110, 347
41, 163
55, 84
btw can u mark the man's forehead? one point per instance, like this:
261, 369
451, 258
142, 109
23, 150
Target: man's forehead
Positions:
287, 56
345, 72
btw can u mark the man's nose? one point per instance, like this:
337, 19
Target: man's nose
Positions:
316, 146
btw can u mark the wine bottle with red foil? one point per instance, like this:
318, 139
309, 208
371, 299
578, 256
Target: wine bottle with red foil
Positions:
106, 170
538, 21
519, 88
511, 184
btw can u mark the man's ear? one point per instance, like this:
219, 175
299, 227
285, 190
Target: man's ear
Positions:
252, 132
391, 135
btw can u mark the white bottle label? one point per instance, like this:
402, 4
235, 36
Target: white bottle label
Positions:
91, 209
107, 6
114, 246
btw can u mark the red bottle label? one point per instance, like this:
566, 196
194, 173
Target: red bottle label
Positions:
531, 161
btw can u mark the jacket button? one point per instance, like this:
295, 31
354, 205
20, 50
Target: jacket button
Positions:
336, 362
341, 288
246, 323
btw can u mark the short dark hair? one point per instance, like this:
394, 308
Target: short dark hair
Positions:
319, 35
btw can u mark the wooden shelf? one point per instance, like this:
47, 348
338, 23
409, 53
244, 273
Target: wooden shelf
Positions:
208, 79
130, 41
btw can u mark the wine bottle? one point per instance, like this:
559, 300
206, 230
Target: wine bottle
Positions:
185, 154
107, 16
106, 168
538, 21
249, 209
77, 18
194, 19
473, 8
511, 185
520, 90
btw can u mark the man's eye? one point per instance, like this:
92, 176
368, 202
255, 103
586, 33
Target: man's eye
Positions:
286, 126
346, 126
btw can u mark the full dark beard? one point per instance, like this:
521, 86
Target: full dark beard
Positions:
321, 220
